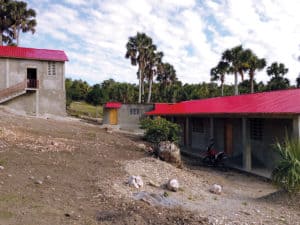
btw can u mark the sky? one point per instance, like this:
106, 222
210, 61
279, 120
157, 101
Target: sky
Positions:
191, 33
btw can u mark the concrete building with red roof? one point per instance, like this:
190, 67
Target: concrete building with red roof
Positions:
33, 80
124, 116
246, 126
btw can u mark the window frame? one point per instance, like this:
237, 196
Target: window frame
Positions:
256, 129
51, 69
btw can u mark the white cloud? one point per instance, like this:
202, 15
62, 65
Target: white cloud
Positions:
192, 35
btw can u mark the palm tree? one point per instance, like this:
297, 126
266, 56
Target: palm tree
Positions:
23, 19
236, 59
137, 47
153, 63
277, 72
253, 63
166, 74
218, 73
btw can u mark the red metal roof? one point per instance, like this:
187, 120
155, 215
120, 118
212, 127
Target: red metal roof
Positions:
274, 102
113, 105
32, 53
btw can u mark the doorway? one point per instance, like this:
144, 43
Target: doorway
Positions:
113, 116
31, 77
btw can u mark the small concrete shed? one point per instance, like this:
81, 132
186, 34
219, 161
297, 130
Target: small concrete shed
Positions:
124, 116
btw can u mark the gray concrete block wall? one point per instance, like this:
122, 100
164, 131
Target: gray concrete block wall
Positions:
126, 120
273, 130
51, 92
219, 134
200, 140
2, 74
24, 104
131, 121
105, 116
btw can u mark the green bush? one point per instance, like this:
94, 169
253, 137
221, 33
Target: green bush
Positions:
160, 129
287, 173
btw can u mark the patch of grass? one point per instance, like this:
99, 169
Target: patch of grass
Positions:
166, 194
181, 189
244, 203
2, 162
84, 109
9, 198
6, 214
192, 198
215, 198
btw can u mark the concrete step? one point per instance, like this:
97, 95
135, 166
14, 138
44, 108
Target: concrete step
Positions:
2, 100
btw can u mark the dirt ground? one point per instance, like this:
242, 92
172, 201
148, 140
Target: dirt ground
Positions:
65, 171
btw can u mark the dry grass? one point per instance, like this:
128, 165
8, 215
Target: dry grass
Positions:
79, 109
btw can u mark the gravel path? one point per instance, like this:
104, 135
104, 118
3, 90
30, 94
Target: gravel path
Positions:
243, 200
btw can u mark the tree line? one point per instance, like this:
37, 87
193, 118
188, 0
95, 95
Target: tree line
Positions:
15, 17
111, 90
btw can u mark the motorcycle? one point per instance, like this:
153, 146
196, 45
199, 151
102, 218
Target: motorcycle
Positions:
214, 158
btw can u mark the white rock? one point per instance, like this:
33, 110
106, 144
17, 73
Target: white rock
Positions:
142, 146
1, 167
173, 185
216, 189
135, 181
38, 182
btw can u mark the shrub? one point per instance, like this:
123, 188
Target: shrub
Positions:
287, 173
160, 129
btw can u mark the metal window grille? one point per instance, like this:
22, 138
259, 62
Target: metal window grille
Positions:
256, 129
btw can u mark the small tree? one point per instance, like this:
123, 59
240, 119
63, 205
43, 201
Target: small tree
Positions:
287, 173
160, 129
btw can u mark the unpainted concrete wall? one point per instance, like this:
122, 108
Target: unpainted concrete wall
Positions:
131, 121
273, 130
126, 120
24, 104
51, 97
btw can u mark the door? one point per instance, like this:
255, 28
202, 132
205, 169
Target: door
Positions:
228, 137
113, 117
31, 78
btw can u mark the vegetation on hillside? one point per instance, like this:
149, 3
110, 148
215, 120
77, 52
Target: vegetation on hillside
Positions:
160, 129
80, 109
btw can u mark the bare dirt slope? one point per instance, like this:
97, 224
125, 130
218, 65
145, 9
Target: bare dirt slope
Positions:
70, 172
61, 172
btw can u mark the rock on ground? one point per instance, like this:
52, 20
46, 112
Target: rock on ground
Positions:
173, 185
216, 189
135, 181
169, 152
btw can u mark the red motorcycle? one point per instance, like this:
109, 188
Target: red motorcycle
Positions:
213, 157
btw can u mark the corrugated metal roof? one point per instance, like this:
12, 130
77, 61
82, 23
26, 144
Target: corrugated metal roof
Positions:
113, 105
32, 53
274, 102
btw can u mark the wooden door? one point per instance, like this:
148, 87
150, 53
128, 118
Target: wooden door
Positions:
113, 117
228, 137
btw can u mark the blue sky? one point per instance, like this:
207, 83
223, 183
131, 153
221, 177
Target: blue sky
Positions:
192, 34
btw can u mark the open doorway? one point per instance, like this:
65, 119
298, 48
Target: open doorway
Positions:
32, 78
